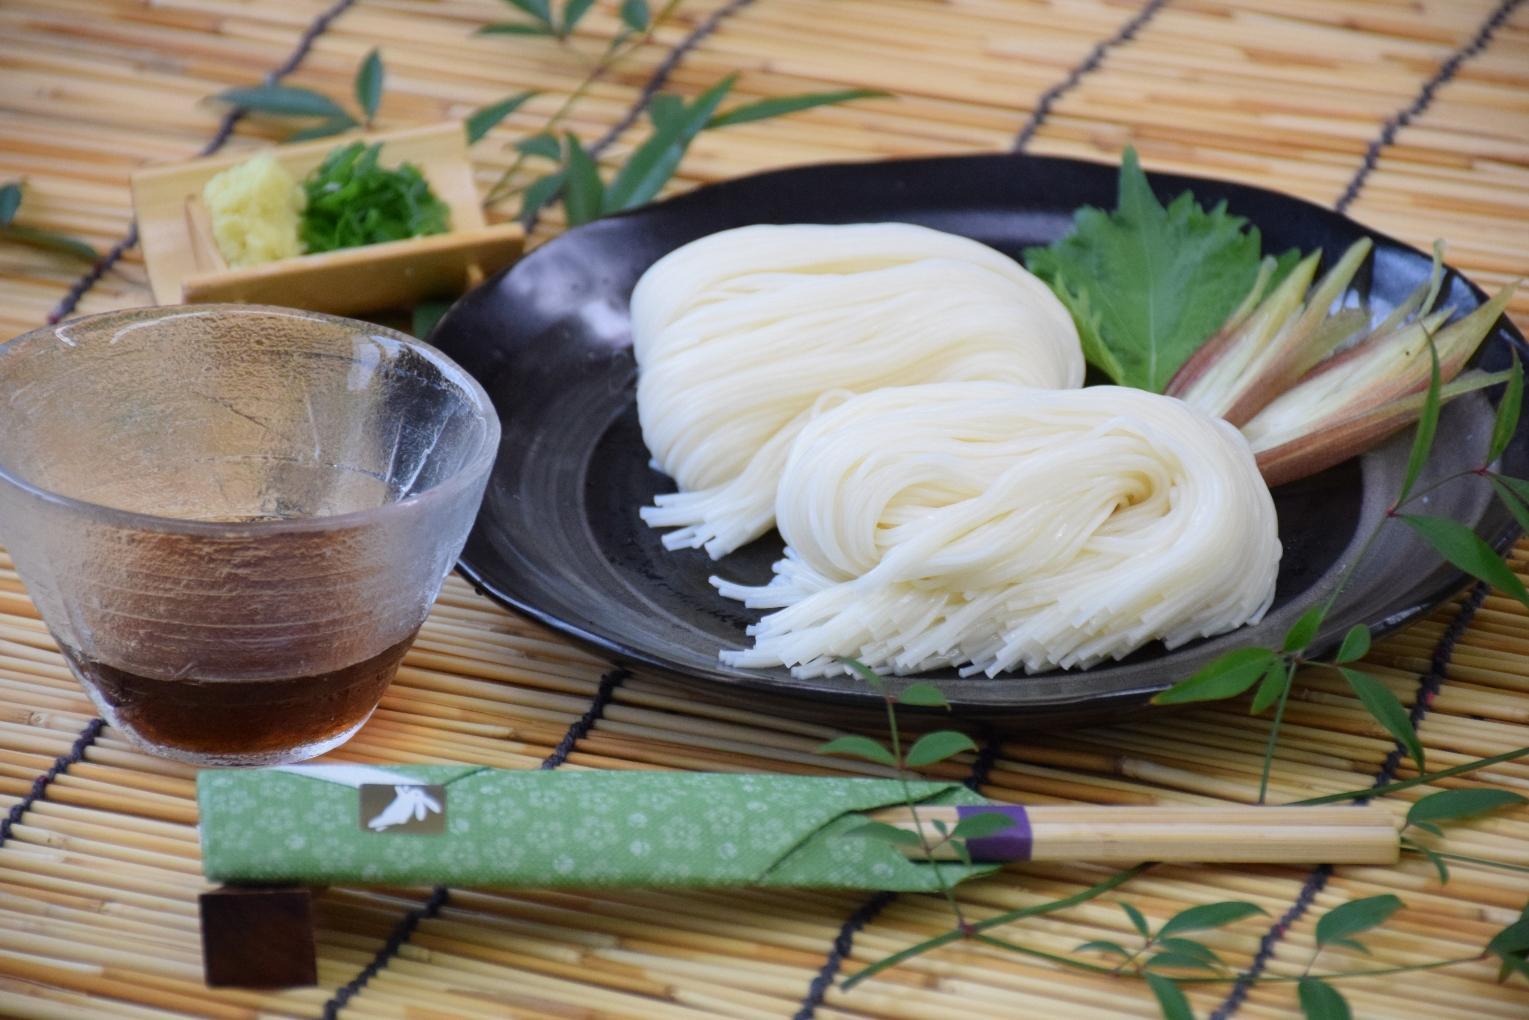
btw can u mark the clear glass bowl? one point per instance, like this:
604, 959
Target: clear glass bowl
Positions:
234, 518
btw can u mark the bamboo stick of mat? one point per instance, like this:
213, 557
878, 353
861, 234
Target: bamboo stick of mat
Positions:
1224, 834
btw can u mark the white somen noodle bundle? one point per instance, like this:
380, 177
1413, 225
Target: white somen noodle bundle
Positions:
742, 336
993, 527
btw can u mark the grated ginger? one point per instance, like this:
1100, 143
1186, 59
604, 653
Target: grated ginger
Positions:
255, 207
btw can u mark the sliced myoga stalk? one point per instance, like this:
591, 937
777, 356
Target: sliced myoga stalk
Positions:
1272, 369
1365, 394
1243, 368
1341, 439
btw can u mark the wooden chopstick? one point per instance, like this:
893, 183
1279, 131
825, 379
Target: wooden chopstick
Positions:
1340, 834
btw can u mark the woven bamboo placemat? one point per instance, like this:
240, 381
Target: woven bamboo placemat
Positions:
1411, 115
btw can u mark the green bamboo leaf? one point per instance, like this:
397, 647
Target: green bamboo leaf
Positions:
962, 852
981, 825
1104, 946
284, 101
1321, 1001
1517, 486
426, 314
1455, 805
323, 129
1356, 644
543, 145
1226, 677
1508, 499
1466, 550
923, 695
1170, 999
583, 194
1428, 424
937, 746
1356, 916
1210, 915
1137, 920
856, 746
654, 161
666, 111
49, 241
884, 833
779, 106
484, 120
635, 14
369, 78
514, 28
1304, 630
1433, 858
1170, 960
10, 201
1511, 945
539, 10
539, 193
1273, 685
1508, 409
573, 13
1189, 947
866, 673
1387, 710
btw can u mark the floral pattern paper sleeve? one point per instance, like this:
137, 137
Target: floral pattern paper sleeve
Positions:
465, 825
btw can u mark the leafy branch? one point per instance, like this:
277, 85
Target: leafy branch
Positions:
10, 203
1273, 670
323, 115
1163, 956
575, 177
929, 749
675, 124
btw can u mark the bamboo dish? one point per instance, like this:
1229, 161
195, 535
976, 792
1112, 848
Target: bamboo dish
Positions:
184, 263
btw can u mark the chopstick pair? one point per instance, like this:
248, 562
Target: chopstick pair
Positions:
1363, 834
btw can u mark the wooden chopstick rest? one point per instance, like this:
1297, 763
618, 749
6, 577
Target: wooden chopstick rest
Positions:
1340, 834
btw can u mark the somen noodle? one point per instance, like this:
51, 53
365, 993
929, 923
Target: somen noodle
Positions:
743, 336
990, 527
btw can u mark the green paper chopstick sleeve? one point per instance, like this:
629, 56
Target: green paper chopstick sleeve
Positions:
470, 826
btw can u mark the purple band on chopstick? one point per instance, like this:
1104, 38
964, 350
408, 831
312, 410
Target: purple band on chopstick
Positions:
1009, 844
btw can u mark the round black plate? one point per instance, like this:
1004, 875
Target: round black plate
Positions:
559, 538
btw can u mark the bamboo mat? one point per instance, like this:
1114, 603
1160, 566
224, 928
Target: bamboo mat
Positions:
1413, 114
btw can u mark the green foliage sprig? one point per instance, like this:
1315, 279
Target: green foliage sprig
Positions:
1273, 670
929, 749
575, 178
1165, 958
11, 195
322, 114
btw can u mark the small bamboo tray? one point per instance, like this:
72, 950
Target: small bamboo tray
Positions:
184, 264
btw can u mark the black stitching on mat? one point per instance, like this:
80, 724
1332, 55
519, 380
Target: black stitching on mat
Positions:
844, 942
1427, 690
1095, 57
80, 287
40, 784
1423, 100
440, 895
586, 722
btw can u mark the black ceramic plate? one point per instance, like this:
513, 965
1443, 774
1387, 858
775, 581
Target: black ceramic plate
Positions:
559, 538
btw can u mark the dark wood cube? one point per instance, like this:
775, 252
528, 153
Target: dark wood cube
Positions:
258, 937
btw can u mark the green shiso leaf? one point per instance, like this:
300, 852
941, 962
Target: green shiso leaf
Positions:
1147, 284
